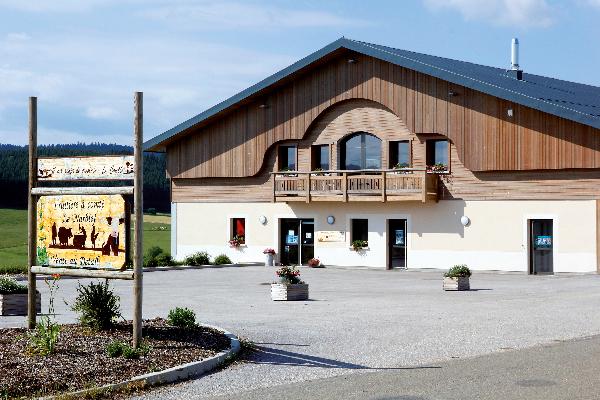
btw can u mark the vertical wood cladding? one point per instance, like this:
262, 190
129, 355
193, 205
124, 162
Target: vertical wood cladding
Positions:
486, 138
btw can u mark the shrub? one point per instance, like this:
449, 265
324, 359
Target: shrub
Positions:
115, 349
9, 285
155, 257
151, 211
13, 269
222, 259
97, 305
458, 271
131, 353
182, 318
43, 339
288, 275
199, 258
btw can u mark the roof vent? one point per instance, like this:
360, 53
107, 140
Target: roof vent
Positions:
515, 71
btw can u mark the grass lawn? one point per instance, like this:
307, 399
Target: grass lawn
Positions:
13, 235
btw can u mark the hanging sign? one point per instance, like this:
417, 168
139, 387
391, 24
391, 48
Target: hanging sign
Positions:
331, 236
81, 231
85, 168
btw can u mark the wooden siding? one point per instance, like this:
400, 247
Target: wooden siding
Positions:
484, 136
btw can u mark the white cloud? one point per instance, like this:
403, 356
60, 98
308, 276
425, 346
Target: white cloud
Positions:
101, 112
60, 6
513, 13
594, 3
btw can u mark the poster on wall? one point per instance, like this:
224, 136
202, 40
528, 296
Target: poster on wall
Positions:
81, 231
543, 242
291, 239
331, 236
400, 237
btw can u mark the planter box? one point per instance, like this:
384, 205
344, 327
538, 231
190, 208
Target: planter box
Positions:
279, 291
16, 304
460, 283
269, 260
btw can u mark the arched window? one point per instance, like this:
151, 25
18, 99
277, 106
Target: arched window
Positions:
360, 151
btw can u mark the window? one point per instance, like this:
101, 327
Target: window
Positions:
400, 154
437, 155
287, 158
238, 229
359, 230
360, 151
320, 157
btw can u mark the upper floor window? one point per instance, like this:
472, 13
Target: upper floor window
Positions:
360, 151
287, 158
437, 155
400, 154
320, 157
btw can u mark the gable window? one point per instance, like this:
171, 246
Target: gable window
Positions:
360, 151
238, 230
400, 154
287, 158
437, 155
359, 229
320, 157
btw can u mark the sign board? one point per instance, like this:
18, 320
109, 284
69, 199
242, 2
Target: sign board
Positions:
543, 242
81, 231
85, 168
399, 237
331, 236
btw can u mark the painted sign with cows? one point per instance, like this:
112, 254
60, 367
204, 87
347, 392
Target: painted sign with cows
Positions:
82, 231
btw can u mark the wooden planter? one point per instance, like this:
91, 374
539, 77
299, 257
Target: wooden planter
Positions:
460, 283
16, 304
282, 292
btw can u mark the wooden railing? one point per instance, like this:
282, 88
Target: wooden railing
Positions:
362, 185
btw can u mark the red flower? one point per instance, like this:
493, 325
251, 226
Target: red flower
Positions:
56, 276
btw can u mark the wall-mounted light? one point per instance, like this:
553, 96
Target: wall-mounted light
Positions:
465, 221
352, 61
262, 219
331, 220
263, 105
510, 112
452, 93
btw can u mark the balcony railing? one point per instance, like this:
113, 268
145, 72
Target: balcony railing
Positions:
355, 185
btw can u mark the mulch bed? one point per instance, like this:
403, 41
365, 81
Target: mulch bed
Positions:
80, 360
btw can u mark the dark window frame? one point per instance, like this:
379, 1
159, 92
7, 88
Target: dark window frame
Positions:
316, 152
358, 224
234, 232
283, 162
363, 150
430, 154
394, 153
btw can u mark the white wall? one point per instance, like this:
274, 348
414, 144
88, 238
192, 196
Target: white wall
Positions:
496, 239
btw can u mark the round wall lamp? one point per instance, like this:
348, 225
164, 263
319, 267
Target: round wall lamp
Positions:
464, 220
331, 220
262, 219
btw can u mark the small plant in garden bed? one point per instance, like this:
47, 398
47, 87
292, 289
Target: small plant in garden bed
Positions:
42, 340
222, 259
288, 275
97, 305
198, 258
182, 318
9, 285
314, 263
237, 241
359, 244
458, 271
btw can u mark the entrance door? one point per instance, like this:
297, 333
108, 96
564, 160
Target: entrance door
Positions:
396, 243
540, 246
296, 241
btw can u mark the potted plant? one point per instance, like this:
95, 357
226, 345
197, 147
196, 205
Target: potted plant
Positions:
13, 297
400, 167
358, 244
457, 278
314, 263
289, 287
236, 241
269, 253
437, 168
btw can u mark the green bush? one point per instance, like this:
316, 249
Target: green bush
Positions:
9, 285
198, 258
13, 269
131, 353
458, 271
42, 340
182, 318
222, 259
97, 305
115, 349
156, 257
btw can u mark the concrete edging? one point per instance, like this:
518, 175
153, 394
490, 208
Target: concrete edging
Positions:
170, 375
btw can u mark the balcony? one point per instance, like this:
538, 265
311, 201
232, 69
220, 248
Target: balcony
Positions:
362, 185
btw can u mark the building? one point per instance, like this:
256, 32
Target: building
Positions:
416, 160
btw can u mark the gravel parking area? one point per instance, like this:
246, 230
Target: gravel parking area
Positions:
360, 320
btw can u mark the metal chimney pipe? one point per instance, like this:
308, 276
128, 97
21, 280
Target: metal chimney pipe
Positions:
514, 59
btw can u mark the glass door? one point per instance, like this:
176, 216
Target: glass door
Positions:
307, 234
396, 243
541, 246
297, 239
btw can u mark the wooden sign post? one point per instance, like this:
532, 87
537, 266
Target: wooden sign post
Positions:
84, 231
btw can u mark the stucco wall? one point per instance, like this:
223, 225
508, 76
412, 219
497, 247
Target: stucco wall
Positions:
496, 238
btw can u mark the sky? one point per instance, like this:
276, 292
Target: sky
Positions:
84, 59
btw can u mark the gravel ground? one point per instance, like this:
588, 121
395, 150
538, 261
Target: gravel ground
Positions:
361, 320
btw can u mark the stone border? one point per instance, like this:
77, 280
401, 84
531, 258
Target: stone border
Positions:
170, 375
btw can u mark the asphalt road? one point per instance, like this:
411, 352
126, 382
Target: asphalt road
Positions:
560, 371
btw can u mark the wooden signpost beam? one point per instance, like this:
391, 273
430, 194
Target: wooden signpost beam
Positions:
138, 131
31, 213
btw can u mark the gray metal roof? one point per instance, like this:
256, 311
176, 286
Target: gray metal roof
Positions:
570, 100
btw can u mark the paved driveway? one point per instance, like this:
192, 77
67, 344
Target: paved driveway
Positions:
361, 320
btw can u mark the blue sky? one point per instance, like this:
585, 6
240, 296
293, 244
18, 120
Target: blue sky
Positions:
85, 58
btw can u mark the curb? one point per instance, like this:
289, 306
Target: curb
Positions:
170, 375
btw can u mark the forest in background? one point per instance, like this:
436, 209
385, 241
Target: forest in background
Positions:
13, 171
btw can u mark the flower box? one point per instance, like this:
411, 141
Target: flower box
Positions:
456, 283
289, 292
16, 304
